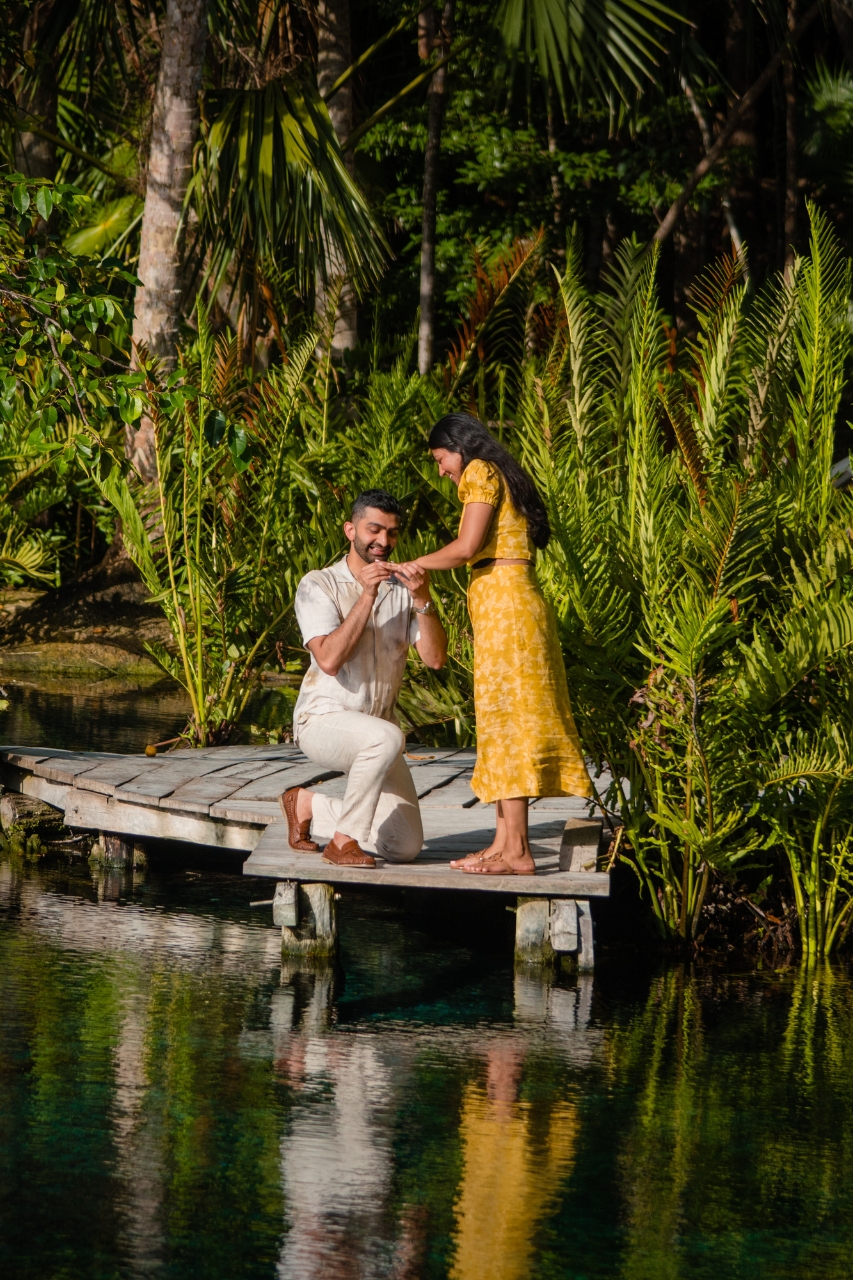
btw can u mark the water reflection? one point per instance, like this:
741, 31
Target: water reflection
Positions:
512, 1172
174, 1102
338, 1148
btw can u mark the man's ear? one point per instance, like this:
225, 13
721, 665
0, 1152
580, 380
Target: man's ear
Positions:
349, 530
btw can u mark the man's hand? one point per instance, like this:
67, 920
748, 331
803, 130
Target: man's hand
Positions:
373, 575
335, 649
416, 579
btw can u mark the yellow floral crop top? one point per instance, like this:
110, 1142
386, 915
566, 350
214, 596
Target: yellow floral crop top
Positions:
508, 538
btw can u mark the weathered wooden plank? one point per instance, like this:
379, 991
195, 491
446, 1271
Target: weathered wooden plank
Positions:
269, 858
233, 753
260, 812
431, 777
25, 757
576, 806
429, 756
251, 770
106, 813
579, 845
163, 779
272, 785
450, 834
28, 784
67, 771
456, 795
113, 773
59, 753
197, 795
334, 788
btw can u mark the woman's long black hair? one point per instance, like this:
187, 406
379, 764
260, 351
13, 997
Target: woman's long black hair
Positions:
462, 433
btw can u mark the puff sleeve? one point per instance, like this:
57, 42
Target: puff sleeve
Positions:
480, 482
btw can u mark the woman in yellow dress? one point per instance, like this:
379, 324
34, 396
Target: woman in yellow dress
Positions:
527, 743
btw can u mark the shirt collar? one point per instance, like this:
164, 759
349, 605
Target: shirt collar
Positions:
342, 570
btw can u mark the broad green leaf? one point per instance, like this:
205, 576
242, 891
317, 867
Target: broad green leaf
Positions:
44, 202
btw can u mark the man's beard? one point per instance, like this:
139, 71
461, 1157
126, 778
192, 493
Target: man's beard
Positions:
369, 557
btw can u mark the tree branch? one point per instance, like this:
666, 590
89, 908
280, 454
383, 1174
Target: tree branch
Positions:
362, 129
737, 112
368, 53
30, 127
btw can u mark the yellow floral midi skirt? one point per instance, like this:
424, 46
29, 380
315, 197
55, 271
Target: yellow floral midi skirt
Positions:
527, 743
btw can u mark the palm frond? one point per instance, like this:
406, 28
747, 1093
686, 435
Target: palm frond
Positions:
270, 182
612, 46
496, 313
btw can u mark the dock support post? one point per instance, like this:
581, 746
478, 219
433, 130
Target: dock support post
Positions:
316, 933
570, 930
586, 954
579, 845
532, 931
118, 852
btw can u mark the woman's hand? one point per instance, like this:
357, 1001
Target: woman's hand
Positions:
414, 576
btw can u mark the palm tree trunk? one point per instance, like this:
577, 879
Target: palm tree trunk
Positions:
441, 42
36, 156
334, 55
173, 134
789, 80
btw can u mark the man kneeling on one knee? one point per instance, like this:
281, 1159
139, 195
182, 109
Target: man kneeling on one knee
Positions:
357, 621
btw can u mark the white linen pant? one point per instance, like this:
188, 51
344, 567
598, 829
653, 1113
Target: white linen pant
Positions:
380, 806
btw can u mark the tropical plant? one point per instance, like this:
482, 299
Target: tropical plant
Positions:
216, 535
64, 390
701, 571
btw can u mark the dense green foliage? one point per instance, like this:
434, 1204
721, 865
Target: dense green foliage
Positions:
680, 409
700, 565
65, 385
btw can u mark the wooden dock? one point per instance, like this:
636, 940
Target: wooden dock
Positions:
227, 797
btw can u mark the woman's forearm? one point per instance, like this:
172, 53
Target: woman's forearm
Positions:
453, 556
476, 519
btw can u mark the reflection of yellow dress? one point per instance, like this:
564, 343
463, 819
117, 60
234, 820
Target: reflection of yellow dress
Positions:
527, 743
511, 1177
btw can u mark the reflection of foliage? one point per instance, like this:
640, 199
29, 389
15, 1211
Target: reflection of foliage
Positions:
136, 1110
705, 1154
219, 1129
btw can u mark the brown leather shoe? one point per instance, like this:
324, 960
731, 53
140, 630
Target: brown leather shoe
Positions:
347, 855
297, 832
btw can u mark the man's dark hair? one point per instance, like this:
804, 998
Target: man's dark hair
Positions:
376, 498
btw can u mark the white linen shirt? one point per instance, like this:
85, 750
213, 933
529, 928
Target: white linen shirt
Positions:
370, 679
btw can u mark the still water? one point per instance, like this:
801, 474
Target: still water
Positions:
174, 1102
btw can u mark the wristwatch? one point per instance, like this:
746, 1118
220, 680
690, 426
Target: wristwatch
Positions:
428, 608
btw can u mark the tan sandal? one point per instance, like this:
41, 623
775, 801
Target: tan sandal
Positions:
469, 860
494, 865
